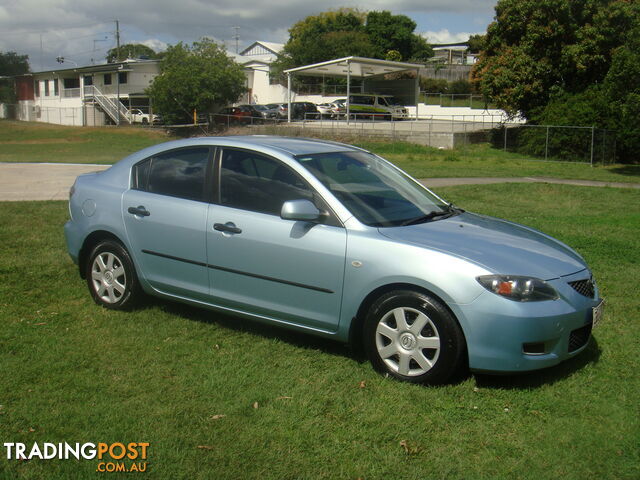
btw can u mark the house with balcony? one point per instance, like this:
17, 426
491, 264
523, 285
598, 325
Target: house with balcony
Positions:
92, 95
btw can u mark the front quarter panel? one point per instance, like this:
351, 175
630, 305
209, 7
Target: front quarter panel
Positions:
374, 261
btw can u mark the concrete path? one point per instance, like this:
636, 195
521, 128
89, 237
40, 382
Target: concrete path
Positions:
40, 181
51, 181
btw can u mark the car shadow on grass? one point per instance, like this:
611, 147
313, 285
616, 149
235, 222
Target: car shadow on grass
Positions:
303, 340
255, 327
547, 376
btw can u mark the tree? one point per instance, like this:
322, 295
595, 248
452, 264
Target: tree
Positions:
537, 48
350, 32
198, 77
476, 43
326, 36
389, 32
11, 64
130, 50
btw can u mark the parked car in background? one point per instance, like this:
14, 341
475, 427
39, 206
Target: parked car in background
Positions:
265, 111
329, 239
339, 107
304, 111
253, 111
240, 115
274, 110
138, 116
373, 106
325, 110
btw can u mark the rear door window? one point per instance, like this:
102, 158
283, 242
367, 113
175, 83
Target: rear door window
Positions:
178, 173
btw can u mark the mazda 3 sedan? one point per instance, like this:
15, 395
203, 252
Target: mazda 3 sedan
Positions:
330, 239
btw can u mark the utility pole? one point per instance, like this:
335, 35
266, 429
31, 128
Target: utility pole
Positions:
118, 73
236, 37
118, 40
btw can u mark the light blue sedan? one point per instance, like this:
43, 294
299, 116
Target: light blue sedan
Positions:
330, 239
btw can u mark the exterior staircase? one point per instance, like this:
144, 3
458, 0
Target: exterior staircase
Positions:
109, 106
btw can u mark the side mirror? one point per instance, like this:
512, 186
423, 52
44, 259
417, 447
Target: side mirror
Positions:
300, 210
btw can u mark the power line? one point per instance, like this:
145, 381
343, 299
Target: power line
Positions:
50, 30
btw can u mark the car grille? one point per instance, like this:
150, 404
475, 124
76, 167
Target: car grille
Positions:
579, 337
584, 287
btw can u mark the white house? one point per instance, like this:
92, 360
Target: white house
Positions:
106, 94
86, 95
257, 59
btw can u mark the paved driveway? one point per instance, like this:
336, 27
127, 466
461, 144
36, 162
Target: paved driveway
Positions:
40, 181
51, 181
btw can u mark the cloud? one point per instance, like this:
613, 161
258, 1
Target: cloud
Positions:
77, 28
155, 44
445, 36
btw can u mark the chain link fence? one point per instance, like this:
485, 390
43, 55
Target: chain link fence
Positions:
556, 142
544, 142
89, 115
456, 100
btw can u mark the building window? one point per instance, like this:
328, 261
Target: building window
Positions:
46, 88
56, 87
122, 77
88, 80
71, 83
36, 88
107, 79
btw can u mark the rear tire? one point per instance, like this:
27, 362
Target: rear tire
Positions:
111, 276
412, 336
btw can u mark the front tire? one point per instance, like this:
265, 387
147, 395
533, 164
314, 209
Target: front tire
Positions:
413, 337
111, 276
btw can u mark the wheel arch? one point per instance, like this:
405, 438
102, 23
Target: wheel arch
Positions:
90, 242
357, 323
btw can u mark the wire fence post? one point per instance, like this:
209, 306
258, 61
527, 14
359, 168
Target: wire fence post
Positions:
593, 132
505, 137
546, 145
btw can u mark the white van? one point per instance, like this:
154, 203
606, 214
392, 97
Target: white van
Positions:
369, 105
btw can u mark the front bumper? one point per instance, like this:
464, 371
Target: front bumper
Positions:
507, 336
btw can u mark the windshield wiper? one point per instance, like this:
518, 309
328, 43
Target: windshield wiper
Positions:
451, 210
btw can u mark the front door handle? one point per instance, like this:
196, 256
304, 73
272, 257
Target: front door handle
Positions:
226, 227
139, 210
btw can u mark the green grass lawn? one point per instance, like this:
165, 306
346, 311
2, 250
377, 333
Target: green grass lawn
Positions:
42, 142
37, 142
481, 160
164, 373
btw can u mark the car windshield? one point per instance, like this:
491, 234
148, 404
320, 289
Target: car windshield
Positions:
373, 190
260, 107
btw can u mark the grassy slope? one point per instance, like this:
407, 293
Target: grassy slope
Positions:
74, 372
36, 142
483, 161
41, 142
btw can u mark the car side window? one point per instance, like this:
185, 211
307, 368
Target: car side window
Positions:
251, 181
178, 173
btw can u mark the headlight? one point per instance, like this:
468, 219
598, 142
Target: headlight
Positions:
518, 288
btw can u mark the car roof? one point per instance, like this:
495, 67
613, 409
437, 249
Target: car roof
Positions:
290, 145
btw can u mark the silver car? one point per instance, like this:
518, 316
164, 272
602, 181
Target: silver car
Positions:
332, 240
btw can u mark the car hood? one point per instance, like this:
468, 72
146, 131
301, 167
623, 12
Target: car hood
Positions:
498, 245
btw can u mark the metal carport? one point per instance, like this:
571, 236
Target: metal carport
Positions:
352, 66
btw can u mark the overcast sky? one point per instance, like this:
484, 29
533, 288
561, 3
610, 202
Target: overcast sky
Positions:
82, 30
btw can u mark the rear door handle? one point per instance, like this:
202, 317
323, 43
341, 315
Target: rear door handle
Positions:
226, 227
139, 210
